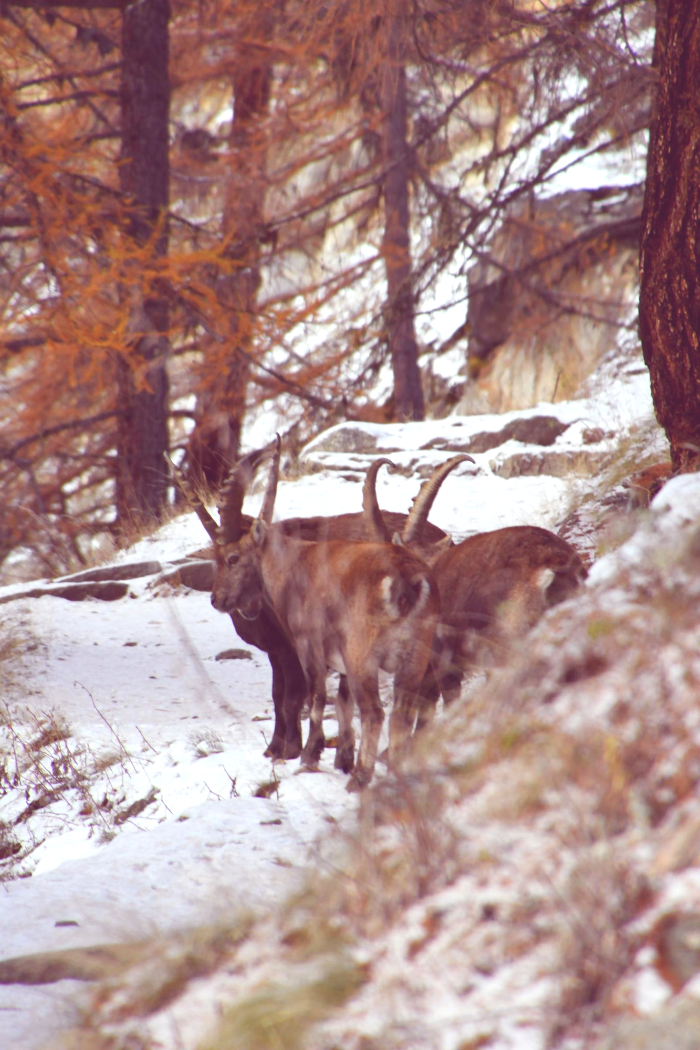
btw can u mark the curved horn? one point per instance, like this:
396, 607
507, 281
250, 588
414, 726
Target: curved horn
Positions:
371, 514
269, 501
193, 499
418, 514
233, 494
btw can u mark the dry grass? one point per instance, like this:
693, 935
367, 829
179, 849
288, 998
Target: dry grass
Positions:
282, 1014
597, 904
41, 764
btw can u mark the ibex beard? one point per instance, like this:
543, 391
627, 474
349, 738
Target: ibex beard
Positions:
351, 607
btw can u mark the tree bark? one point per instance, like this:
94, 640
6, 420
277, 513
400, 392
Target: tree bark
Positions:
144, 177
669, 307
215, 441
408, 392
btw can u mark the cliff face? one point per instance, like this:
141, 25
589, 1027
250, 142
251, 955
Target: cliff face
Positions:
547, 304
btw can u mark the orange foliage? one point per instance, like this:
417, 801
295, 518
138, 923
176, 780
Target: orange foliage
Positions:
273, 279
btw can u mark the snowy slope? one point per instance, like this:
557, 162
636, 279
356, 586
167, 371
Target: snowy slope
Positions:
152, 720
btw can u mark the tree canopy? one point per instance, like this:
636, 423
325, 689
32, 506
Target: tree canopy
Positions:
281, 210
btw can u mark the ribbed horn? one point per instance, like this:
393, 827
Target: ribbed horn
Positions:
372, 516
271, 491
193, 499
233, 494
420, 509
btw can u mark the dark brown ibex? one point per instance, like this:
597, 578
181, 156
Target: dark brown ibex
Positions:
289, 688
493, 588
352, 607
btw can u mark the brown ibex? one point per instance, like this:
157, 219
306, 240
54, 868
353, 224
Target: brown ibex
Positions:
352, 607
493, 588
289, 688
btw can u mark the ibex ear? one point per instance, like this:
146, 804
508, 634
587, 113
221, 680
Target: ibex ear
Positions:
258, 531
397, 538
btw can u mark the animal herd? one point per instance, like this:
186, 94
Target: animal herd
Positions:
370, 591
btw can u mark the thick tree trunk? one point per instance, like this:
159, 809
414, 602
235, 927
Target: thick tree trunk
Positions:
669, 307
215, 442
408, 393
143, 173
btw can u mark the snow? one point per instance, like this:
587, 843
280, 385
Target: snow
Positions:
139, 688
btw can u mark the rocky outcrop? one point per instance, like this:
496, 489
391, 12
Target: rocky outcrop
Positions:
106, 591
578, 463
128, 571
109, 583
546, 303
533, 430
198, 575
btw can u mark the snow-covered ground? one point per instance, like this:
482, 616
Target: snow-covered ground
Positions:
180, 821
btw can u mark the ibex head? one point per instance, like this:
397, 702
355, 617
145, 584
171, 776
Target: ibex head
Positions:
238, 584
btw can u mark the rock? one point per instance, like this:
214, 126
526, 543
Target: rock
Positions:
198, 575
128, 571
593, 435
234, 654
562, 464
107, 591
567, 250
347, 438
534, 430
77, 964
136, 807
446, 445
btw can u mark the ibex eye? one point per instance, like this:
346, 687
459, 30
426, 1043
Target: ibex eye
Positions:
232, 559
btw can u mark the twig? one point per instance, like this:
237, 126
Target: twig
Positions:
110, 727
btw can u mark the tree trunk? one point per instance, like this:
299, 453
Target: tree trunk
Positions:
408, 392
215, 441
143, 175
669, 306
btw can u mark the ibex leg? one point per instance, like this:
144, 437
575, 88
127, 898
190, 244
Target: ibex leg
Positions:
316, 740
288, 695
344, 708
429, 696
365, 691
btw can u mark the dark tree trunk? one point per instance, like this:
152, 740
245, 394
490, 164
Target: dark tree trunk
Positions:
215, 442
143, 174
669, 306
408, 392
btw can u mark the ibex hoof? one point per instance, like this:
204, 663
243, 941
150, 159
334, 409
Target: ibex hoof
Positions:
309, 767
358, 781
311, 756
344, 760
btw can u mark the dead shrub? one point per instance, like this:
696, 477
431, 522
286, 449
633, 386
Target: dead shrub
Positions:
598, 902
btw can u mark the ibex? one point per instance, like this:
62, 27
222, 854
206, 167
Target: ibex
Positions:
289, 688
352, 607
493, 588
